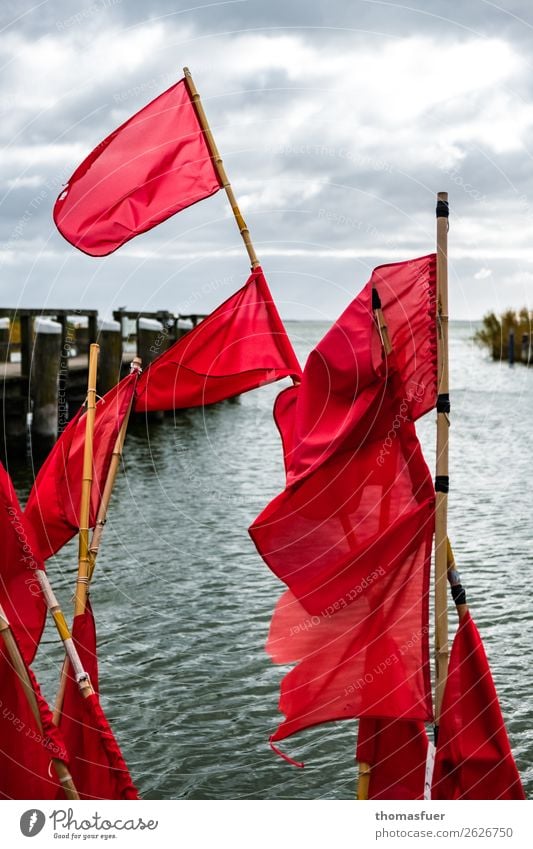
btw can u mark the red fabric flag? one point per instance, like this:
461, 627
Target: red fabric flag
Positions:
396, 751
54, 502
152, 166
240, 346
366, 653
26, 749
321, 534
20, 592
473, 758
25, 752
96, 762
351, 533
337, 399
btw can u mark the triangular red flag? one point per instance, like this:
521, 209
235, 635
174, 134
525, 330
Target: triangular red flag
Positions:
473, 758
54, 502
152, 166
240, 346
96, 762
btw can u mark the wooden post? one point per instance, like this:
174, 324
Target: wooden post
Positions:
219, 166
4, 340
441, 479
20, 668
511, 347
110, 340
25, 345
44, 383
83, 555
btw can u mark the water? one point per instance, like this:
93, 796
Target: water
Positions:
183, 602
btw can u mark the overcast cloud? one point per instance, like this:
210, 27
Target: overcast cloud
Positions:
337, 121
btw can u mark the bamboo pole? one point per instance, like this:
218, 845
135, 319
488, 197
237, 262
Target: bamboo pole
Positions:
114, 466
219, 166
19, 667
53, 606
365, 769
83, 555
458, 593
441, 479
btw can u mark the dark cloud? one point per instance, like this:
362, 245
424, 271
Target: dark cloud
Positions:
338, 122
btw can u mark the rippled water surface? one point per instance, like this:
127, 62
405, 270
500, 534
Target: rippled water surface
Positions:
183, 602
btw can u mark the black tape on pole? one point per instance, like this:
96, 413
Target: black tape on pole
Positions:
442, 483
443, 209
443, 403
376, 300
458, 594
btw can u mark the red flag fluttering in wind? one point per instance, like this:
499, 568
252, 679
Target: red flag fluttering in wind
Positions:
240, 346
25, 749
54, 502
473, 758
154, 165
96, 762
20, 592
396, 752
351, 533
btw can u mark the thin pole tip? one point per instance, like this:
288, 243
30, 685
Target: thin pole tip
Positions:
442, 195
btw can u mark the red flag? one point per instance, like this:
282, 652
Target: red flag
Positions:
366, 653
152, 166
25, 752
54, 502
96, 762
396, 751
473, 758
337, 399
240, 346
20, 592
351, 533
26, 749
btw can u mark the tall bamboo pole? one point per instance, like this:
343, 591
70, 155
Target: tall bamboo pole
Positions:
19, 667
71, 653
441, 478
114, 466
365, 769
82, 581
219, 166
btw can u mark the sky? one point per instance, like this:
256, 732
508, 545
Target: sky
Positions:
338, 123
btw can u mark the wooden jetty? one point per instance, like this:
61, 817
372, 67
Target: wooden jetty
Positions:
44, 358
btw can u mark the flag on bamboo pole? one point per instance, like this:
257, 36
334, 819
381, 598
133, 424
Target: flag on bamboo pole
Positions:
351, 533
243, 344
20, 592
337, 403
26, 748
96, 761
54, 502
396, 751
152, 166
473, 758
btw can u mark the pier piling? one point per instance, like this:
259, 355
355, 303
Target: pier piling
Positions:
110, 363
44, 383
